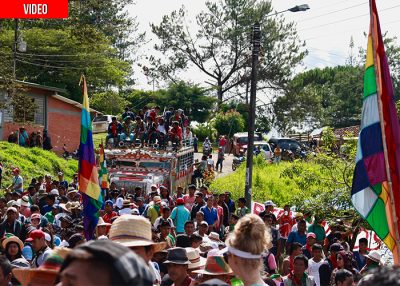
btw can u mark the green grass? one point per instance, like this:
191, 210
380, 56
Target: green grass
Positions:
33, 162
268, 184
97, 139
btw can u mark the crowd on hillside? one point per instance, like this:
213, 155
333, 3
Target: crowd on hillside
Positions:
183, 238
34, 139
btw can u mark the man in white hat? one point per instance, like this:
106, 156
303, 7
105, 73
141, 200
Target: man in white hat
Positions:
24, 208
374, 260
135, 233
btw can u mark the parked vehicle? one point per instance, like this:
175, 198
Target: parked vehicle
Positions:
291, 149
100, 123
240, 141
237, 161
264, 148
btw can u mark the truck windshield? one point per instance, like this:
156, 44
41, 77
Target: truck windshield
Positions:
143, 164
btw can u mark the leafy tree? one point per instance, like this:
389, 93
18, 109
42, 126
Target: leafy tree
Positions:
321, 97
220, 46
97, 60
109, 102
204, 130
229, 123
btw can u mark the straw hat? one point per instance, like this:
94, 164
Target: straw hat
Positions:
47, 273
68, 207
196, 261
215, 265
214, 236
12, 238
132, 231
375, 256
102, 223
25, 201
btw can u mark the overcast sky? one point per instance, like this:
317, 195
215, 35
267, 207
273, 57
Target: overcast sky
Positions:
327, 27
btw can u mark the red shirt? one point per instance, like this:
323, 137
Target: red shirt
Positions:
107, 217
285, 225
177, 132
222, 142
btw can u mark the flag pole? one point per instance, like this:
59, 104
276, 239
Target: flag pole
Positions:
396, 254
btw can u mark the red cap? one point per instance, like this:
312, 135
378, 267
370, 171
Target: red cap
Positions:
35, 234
179, 201
311, 234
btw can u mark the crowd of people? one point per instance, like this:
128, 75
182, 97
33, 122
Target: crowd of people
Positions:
34, 139
186, 237
150, 126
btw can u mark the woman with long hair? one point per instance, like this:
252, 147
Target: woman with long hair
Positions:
13, 246
344, 261
245, 258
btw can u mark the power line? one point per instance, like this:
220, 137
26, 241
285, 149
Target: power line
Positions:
57, 61
62, 55
332, 12
351, 30
328, 52
58, 67
346, 19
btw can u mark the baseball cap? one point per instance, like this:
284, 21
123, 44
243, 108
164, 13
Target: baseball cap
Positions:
36, 234
204, 223
311, 234
179, 201
12, 209
35, 216
60, 173
54, 192
108, 202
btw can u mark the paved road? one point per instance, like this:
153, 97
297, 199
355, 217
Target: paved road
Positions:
226, 166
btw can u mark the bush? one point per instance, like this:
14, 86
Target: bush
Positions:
321, 185
204, 130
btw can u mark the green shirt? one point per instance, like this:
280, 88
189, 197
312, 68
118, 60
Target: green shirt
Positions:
318, 230
50, 217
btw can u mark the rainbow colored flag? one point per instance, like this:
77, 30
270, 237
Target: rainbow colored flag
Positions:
376, 182
88, 175
103, 178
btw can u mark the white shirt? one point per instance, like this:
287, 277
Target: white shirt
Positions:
161, 128
125, 211
313, 268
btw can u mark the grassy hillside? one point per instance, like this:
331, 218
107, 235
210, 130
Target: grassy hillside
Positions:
33, 162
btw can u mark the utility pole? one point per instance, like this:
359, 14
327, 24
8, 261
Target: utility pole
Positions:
15, 48
256, 41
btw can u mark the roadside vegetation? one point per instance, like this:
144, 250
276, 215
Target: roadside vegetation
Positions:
33, 162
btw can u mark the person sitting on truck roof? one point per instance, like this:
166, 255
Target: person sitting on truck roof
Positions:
175, 133
151, 131
139, 128
161, 131
114, 129
127, 129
